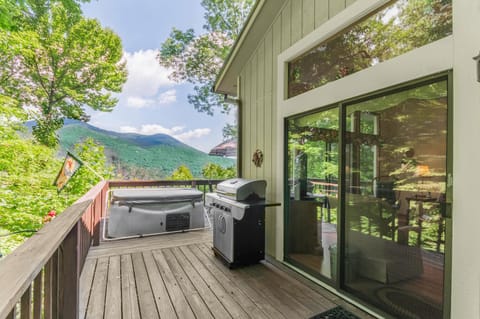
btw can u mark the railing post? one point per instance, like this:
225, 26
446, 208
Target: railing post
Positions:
70, 274
37, 296
26, 304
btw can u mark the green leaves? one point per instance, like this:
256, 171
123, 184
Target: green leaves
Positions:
215, 171
182, 173
27, 194
198, 58
68, 62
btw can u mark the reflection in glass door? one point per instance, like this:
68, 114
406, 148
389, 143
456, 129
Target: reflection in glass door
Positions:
312, 194
395, 184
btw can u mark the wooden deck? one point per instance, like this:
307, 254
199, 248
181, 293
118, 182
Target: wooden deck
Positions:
178, 276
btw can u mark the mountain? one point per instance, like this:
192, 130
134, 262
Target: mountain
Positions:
140, 156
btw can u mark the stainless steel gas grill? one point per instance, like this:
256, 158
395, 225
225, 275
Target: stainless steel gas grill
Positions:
238, 209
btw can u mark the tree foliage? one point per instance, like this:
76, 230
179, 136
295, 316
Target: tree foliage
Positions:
198, 58
215, 171
67, 63
27, 193
182, 173
92, 155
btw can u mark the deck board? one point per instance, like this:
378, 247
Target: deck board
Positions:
114, 293
193, 297
129, 292
232, 279
208, 271
96, 303
162, 299
86, 280
178, 276
179, 300
211, 300
148, 307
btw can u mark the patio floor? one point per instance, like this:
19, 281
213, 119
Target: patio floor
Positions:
178, 276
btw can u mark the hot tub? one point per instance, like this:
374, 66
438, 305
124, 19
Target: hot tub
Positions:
149, 211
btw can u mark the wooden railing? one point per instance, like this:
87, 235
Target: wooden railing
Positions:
40, 279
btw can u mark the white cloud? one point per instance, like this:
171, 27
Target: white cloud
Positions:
150, 129
128, 129
197, 133
176, 131
147, 83
145, 75
167, 97
139, 102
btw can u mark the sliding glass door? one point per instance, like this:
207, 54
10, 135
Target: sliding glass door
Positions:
313, 192
383, 177
395, 185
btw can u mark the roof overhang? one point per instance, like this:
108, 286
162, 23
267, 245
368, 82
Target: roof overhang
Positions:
260, 19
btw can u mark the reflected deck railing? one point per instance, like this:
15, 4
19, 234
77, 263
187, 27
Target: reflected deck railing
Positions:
40, 279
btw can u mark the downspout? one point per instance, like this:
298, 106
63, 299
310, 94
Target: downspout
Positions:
236, 101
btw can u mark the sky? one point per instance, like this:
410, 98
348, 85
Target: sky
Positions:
150, 103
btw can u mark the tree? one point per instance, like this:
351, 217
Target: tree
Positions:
215, 171
8, 9
182, 173
27, 193
92, 154
198, 58
69, 62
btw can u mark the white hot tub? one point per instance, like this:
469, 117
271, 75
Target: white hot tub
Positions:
149, 211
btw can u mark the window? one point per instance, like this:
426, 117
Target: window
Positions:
388, 32
369, 176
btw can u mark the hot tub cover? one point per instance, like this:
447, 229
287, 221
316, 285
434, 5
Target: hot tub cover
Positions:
156, 195
146, 211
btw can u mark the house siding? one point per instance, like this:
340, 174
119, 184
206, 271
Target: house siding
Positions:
258, 93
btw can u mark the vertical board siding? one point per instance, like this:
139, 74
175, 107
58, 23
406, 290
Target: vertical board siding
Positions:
335, 6
308, 13
253, 114
260, 171
286, 26
321, 12
243, 105
296, 20
271, 217
248, 122
258, 91
269, 134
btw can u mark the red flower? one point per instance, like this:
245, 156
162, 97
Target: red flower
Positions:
52, 213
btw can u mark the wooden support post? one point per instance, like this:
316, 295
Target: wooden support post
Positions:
97, 216
70, 274
12, 314
26, 304
55, 285
37, 296
47, 302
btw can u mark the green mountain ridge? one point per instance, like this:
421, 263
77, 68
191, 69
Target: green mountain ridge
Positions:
140, 156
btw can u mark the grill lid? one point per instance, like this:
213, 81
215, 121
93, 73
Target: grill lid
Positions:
241, 189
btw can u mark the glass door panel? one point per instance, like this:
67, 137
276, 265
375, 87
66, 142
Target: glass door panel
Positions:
395, 183
312, 194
